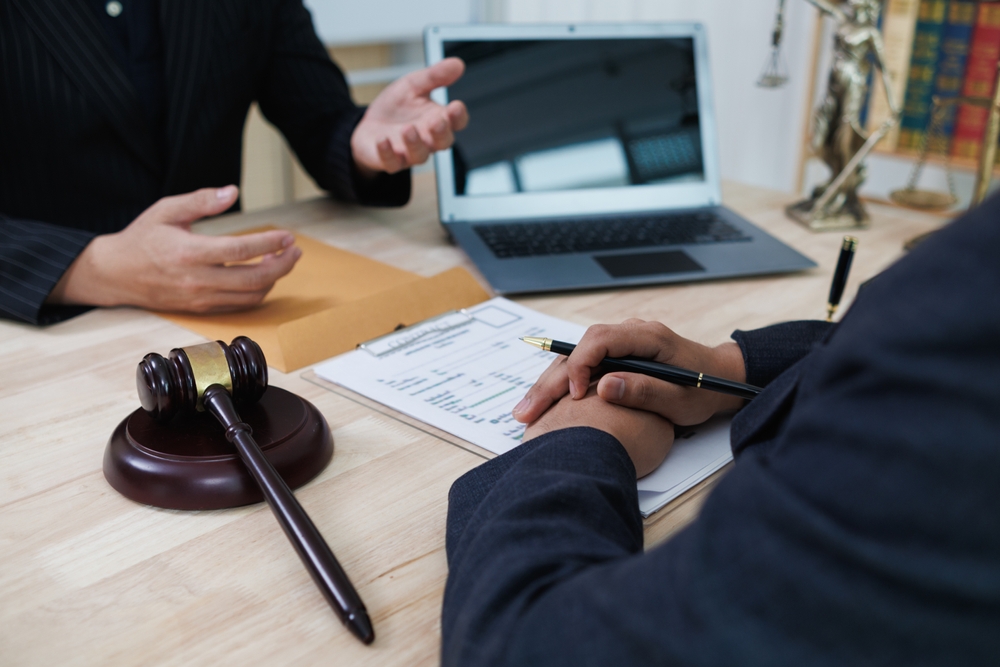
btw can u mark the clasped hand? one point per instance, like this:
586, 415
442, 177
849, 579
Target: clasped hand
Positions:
638, 410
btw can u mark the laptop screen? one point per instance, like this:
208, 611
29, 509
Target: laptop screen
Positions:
563, 115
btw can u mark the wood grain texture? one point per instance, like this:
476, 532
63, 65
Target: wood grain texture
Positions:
89, 577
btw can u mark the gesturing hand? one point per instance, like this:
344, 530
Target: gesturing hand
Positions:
646, 437
158, 263
649, 340
402, 126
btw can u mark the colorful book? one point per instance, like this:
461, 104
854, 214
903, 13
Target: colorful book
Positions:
956, 37
899, 22
923, 64
980, 77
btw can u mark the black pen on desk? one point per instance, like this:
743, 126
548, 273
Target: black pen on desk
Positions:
840, 275
674, 374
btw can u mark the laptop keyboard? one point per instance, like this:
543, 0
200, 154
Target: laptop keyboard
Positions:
571, 236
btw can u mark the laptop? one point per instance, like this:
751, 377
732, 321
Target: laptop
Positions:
591, 159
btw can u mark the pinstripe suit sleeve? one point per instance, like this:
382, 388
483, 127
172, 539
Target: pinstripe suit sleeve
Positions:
33, 257
305, 95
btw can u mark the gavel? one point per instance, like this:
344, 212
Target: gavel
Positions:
210, 377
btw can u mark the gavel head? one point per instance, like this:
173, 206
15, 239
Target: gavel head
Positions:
178, 382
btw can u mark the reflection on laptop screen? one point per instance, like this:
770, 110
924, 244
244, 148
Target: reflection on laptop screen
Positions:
584, 113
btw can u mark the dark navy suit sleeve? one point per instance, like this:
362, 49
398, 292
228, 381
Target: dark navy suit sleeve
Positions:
305, 95
569, 501
862, 529
769, 352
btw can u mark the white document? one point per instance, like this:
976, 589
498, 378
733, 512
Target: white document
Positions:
698, 452
464, 372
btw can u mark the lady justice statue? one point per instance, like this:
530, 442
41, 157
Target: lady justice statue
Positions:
837, 136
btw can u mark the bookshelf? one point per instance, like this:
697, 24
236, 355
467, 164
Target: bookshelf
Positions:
947, 48
953, 50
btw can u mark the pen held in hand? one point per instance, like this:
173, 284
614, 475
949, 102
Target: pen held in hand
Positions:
673, 374
840, 275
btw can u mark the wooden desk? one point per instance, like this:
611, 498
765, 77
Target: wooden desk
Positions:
88, 577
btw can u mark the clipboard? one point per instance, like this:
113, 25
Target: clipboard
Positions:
462, 372
403, 337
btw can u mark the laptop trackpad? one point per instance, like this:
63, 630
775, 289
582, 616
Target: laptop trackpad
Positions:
648, 263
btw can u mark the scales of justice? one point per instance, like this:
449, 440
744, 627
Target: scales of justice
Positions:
840, 141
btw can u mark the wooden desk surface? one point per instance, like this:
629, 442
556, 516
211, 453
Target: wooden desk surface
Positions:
88, 577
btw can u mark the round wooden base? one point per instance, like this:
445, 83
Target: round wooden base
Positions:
188, 464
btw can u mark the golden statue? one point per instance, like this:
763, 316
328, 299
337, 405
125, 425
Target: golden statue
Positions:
838, 137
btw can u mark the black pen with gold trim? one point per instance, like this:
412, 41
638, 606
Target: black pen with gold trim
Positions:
665, 372
847, 249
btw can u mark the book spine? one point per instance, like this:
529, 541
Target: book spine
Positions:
956, 37
923, 64
980, 75
898, 26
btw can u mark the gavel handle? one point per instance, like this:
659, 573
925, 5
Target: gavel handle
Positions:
302, 533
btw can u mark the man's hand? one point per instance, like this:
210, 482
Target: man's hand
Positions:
158, 263
648, 340
402, 126
646, 437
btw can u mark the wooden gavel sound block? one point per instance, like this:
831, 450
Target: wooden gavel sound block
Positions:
154, 460
184, 461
